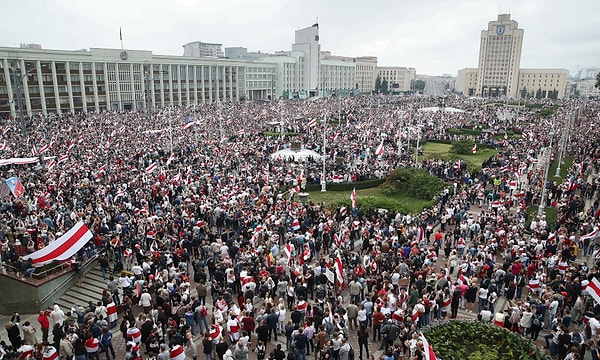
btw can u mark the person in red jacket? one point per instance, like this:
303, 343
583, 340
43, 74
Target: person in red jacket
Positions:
44, 324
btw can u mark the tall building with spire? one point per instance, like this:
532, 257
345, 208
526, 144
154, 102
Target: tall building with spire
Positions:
500, 58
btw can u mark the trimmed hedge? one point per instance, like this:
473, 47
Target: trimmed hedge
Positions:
347, 186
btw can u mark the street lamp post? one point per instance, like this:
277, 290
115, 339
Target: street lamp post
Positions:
323, 181
548, 151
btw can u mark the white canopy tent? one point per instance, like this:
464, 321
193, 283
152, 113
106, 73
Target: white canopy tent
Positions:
298, 155
445, 109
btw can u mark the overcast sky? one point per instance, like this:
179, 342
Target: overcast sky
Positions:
433, 36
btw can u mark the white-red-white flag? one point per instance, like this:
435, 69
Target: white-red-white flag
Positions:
311, 123
177, 353
63, 158
339, 268
474, 149
427, 349
335, 135
170, 159
3, 146
379, 150
151, 168
62, 248
353, 198
590, 235
593, 289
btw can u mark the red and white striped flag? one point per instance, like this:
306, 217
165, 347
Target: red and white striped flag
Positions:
63, 158
3, 146
51, 353
474, 149
427, 349
311, 123
177, 353
34, 150
187, 125
339, 268
135, 334
51, 164
379, 150
589, 236
593, 288
62, 248
335, 135
111, 310
45, 148
288, 250
71, 144
295, 224
170, 159
241, 132
151, 168
353, 198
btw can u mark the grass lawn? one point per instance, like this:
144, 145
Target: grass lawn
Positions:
441, 151
568, 161
372, 198
551, 214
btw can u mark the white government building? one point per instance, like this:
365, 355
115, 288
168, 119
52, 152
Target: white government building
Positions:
499, 73
63, 81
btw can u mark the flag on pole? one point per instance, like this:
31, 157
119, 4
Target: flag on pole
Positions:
353, 198
311, 123
120, 34
63, 158
15, 186
427, 349
170, 159
151, 168
339, 269
379, 149
474, 149
593, 289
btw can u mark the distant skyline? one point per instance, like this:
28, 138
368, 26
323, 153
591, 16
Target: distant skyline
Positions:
434, 37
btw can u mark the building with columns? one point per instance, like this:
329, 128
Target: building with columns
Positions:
57, 81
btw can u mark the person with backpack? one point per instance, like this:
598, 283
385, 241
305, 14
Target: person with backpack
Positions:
537, 322
260, 350
345, 350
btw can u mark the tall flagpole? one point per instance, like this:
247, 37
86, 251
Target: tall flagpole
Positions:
121, 37
323, 181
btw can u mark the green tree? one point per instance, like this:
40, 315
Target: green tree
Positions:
378, 84
419, 85
463, 147
384, 87
538, 94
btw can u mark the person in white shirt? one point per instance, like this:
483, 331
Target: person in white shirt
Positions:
146, 301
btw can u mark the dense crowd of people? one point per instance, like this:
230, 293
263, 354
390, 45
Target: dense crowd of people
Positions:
203, 237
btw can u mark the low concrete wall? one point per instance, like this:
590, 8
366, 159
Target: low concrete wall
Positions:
27, 297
